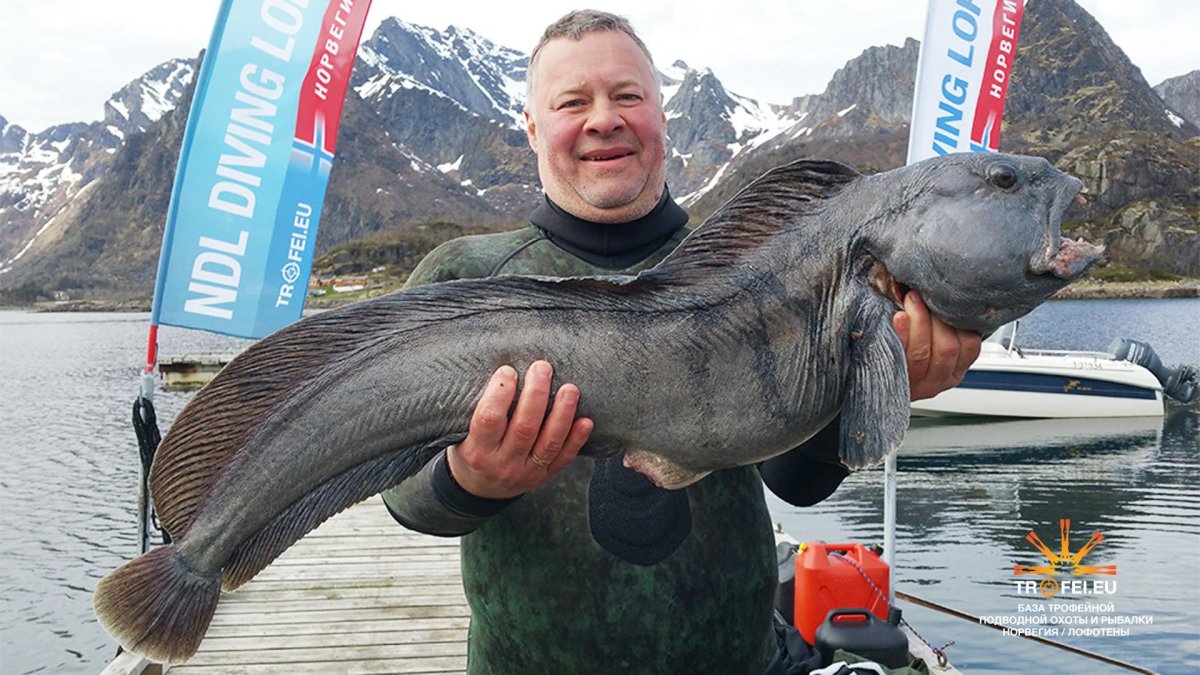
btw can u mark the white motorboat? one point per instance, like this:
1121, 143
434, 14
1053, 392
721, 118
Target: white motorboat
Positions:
1012, 381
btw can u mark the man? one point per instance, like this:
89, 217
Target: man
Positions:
579, 566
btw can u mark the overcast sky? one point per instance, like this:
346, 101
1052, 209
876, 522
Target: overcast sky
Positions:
64, 58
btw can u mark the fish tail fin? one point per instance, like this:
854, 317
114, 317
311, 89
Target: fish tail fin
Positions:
156, 606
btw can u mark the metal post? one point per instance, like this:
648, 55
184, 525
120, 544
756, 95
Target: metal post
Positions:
889, 522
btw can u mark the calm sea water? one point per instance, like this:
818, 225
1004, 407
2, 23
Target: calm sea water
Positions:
968, 495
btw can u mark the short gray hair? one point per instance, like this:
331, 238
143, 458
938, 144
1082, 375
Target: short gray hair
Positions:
574, 25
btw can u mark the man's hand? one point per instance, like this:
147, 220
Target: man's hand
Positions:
938, 355
502, 457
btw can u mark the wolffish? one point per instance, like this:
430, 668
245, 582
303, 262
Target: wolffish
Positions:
767, 322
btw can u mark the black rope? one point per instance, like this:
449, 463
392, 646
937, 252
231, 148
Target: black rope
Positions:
145, 425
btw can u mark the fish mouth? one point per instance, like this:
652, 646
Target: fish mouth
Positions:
1061, 256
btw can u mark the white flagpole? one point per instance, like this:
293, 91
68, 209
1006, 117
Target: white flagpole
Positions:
961, 82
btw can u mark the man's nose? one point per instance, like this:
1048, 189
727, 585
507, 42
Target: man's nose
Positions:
605, 118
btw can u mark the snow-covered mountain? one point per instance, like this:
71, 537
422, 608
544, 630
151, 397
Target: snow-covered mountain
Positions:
433, 131
1182, 94
43, 174
456, 99
460, 65
711, 129
450, 101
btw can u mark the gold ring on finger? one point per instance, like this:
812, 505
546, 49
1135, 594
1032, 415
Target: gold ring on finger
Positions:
533, 456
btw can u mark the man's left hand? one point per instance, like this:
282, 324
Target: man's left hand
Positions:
938, 355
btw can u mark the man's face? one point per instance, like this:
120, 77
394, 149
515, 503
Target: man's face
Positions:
596, 122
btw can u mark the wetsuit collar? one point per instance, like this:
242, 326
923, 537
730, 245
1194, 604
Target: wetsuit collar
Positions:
610, 246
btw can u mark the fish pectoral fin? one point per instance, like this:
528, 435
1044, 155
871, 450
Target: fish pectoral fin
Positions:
875, 411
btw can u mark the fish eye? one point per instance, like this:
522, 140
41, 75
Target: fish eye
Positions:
1003, 176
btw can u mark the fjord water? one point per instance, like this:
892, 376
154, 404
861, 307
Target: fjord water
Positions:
968, 494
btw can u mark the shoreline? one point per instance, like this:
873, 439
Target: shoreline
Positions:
1084, 290
1129, 290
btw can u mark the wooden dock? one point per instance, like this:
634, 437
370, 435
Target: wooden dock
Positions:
360, 594
192, 371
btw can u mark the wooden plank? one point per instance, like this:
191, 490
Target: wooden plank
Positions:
358, 638
358, 594
317, 616
423, 665
351, 653
327, 604
282, 591
426, 665
385, 569
340, 551
128, 663
324, 628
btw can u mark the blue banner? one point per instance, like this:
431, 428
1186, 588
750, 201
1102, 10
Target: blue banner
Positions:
962, 76
254, 166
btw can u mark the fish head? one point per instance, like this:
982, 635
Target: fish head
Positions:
980, 236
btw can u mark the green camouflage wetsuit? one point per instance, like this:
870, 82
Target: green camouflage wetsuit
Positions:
545, 597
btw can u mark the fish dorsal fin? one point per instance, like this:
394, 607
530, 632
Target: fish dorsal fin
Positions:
761, 210
875, 409
224, 416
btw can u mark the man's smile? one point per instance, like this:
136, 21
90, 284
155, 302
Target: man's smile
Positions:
606, 155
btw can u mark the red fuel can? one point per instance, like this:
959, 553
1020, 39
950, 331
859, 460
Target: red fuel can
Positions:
826, 580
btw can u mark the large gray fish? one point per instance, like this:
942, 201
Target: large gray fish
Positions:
765, 324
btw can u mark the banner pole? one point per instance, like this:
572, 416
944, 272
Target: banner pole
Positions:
963, 70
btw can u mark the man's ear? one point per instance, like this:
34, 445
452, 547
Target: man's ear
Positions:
531, 130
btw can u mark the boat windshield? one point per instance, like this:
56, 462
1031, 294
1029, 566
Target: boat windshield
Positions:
1005, 336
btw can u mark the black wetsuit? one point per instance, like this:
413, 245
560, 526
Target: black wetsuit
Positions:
684, 581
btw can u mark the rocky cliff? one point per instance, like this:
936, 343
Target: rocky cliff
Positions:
1182, 94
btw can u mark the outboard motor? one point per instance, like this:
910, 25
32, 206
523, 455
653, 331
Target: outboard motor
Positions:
1178, 383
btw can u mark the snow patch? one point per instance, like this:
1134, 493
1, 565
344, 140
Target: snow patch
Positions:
690, 198
9, 263
119, 106
685, 158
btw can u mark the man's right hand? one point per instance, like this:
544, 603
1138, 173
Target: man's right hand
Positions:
502, 457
